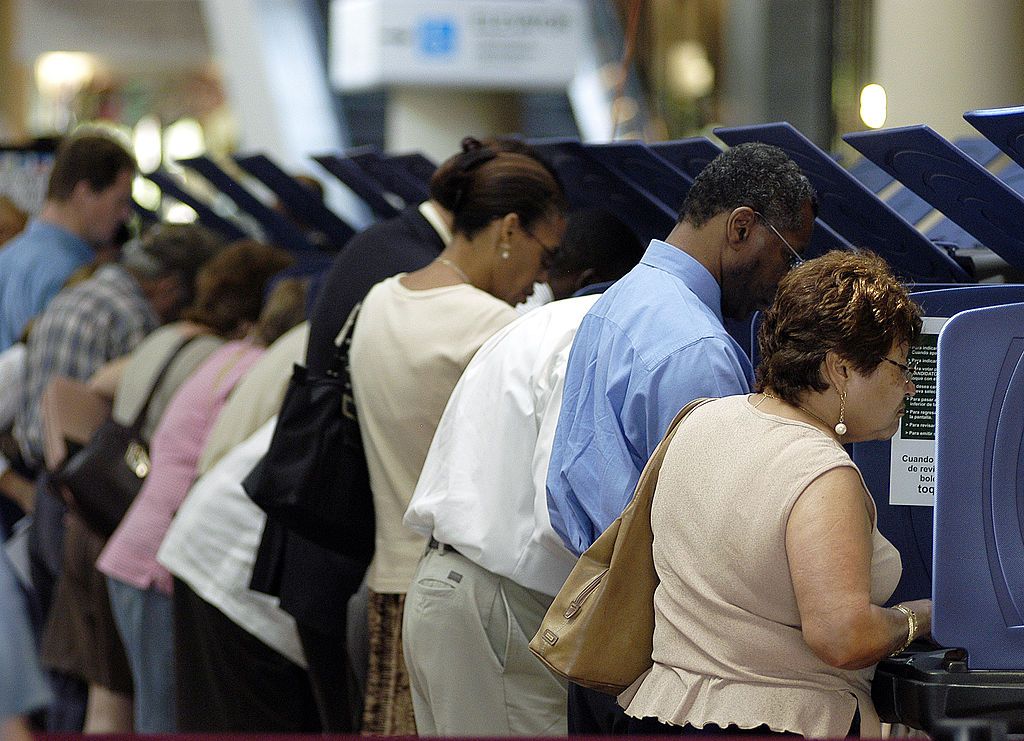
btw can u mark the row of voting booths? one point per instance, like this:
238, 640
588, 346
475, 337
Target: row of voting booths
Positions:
947, 216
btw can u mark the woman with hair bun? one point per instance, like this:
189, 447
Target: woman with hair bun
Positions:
414, 335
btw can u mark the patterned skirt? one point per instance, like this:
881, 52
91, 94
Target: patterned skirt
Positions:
387, 708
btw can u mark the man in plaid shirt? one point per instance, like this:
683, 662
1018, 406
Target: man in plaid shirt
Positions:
82, 328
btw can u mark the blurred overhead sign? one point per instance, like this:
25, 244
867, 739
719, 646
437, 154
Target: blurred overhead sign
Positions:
455, 43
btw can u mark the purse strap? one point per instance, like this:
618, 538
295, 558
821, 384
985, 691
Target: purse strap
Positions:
140, 416
339, 367
649, 476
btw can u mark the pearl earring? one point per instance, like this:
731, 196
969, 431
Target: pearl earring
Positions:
505, 252
840, 425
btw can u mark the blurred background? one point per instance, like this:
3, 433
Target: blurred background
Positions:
291, 78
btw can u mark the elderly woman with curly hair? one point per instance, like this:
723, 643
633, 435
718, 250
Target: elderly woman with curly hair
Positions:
769, 615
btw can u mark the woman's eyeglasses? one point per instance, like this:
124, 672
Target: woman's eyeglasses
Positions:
547, 254
907, 369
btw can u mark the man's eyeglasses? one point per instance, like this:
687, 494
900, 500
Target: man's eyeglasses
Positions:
795, 260
547, 254
906, 369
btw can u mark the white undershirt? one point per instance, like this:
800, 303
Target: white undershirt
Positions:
482, 487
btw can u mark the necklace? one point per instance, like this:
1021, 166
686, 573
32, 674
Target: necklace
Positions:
804, 409
454, 268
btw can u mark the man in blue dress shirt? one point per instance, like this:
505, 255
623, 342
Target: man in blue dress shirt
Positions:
656, 340
88, 197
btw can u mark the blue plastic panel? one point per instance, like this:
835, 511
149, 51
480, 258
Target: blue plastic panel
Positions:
951, 181
307, 206
277, 228
590, 184
369, 190
207, 216
909, 528
946, 230
873, 177
689, 155
1004, 127
979, 499
853, 210
635, 162
416, 164
395, 178
909, 205
978, 148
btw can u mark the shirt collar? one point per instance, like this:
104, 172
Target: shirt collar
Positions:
432, 214
663, 256
68, 239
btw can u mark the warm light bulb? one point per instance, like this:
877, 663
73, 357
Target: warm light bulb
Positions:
184, 139
57, 71
147, 144
872, 106
180, 213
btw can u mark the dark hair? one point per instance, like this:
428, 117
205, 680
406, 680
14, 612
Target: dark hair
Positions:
440, 188
596, 239
846, 302
757, 175
482, 183
95, 158
230, 286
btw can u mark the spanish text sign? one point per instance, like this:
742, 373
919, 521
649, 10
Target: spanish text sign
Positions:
912, 460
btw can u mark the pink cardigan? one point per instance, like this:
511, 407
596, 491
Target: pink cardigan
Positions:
130, 554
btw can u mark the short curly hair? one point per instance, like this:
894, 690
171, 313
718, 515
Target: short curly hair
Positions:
753, 174
846, 302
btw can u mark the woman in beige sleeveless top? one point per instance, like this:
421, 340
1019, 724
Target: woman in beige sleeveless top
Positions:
769, 614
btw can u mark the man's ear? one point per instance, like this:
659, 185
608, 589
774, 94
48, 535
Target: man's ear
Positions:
739, 225
81, 190
583, 279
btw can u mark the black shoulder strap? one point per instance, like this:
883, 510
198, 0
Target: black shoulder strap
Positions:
339, 364
141, 414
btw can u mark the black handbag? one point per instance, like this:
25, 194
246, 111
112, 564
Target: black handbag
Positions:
105, 475
313, 479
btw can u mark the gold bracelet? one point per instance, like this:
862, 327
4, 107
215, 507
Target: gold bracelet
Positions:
911, 628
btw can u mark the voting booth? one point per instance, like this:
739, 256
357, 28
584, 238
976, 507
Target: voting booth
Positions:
978, 555
950, 485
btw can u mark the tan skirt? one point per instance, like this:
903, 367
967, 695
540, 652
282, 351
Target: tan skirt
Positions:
387, 707
80, 637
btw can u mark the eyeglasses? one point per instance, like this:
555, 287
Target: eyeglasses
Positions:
795, 260
547, 254
906, 369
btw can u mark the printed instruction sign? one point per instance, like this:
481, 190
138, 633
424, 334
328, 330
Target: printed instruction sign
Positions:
912, 457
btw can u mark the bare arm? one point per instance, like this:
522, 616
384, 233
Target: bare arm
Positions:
19, 489
105, 381
15, 729
828, 542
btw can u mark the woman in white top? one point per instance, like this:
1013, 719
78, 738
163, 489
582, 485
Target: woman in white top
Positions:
769, 616
415, 334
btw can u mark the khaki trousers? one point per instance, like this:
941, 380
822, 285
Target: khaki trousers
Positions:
466, 635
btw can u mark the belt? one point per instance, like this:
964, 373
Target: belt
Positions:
439, 546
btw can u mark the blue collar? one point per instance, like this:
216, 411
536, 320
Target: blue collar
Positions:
68, 240
674, 261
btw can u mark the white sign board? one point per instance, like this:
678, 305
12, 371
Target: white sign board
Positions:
521, 44
912, 460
